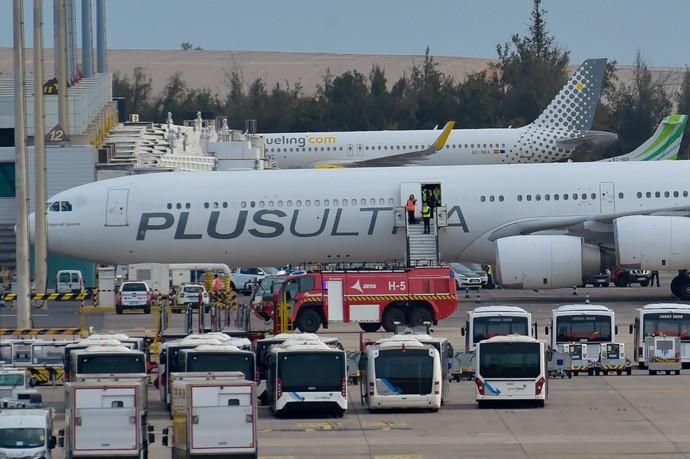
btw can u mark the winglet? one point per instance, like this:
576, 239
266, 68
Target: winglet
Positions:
440, 142
664, 144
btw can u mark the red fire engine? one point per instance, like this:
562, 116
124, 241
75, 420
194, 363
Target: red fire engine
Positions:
371, 298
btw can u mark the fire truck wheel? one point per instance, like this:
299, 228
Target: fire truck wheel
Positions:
391, 315
309, 321
370, 327
419, 315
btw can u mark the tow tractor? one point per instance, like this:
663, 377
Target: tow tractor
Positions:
580, 361
613, 359
16, 389
663, 354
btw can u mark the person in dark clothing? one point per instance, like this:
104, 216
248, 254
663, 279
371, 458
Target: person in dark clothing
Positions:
655, 275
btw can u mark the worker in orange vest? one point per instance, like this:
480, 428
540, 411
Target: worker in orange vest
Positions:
411, 207
217, 284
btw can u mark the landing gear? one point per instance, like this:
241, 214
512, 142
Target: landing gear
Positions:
680, 286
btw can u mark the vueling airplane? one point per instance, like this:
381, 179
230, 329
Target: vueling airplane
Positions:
563, 128
632, 214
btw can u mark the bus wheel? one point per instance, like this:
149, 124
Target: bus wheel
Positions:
539, 403
419, 315
391, 315
263, 399
308, 321
370, 327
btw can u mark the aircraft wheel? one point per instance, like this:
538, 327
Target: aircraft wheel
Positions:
680, 286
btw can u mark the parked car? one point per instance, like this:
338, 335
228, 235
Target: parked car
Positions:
244, 279
598, 280
636, 276
133, 295
189, 293
465, 277
479, 271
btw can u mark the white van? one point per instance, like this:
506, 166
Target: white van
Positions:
26, 433
69, 281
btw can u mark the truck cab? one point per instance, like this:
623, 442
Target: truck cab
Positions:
16, 389
26, 433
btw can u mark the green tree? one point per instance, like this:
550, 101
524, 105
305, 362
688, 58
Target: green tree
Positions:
137, 92
186, 46
531, 70
638, 107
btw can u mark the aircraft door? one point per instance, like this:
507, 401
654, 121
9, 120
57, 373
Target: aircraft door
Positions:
116, 207
607, 197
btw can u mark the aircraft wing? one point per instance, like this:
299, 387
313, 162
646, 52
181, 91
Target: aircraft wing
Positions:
535, 225
400, 159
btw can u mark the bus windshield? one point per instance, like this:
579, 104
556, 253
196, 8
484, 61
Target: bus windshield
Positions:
509, 360
312, 372
49, 354
667, 324
593, 328
487, 327
111, 363
404, 371
221, 362
11, 379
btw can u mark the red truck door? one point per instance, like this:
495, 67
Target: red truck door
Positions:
334, 300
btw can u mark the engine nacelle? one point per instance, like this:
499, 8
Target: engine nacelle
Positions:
544, 261
652, 242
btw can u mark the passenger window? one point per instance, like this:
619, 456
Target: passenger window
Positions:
685, 194
252, 204
565, 196
298, 203
363, 202
335, 202
529, 197
547, 197
500, 198
482, 199
65, 206
491, 198
354, 202
574, 196
206, 205
280, 203
243, 204
639, 195
317, 203
326, 202
270, 204
675, 194
344, 202
55, 207
289, 203
648, 194
261, 204
555, 197
225, 205
187, 205
657, 194
538, 197
519, 197
307, 203
593, 196
667, 194
620, 195
584, 196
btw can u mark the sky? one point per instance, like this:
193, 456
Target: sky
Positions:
615, 29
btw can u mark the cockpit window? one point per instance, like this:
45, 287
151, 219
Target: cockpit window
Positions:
60, 206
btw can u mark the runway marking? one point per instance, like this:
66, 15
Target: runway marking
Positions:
386, 425
15, 315
312, 426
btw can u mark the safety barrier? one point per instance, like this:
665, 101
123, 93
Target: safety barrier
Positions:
39, 331
51, 296
47, 375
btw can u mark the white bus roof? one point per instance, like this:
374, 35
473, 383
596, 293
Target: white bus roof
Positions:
665, 306
107, 350
216, 348
90, 343
303, 346
582, 308
389, 343
510, 339
497, 309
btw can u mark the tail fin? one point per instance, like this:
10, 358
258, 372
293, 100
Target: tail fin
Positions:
664, 144
574, 106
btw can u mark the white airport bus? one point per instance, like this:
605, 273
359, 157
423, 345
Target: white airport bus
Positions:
486, 322
401, 372
215, 358
590, 324
262, 348
110, 360
511, 368
662, 319
305, 376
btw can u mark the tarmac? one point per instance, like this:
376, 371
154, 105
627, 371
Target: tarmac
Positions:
585, 417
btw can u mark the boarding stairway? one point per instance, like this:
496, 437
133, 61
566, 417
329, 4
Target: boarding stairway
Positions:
8, 246
422, 249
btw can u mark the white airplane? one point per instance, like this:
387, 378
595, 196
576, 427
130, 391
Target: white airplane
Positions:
629, 214
562, 129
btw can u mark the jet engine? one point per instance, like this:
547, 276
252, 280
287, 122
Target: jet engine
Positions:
652, 242
545, 261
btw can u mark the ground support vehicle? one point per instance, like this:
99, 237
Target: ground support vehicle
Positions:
400, 372
371, 298
26, 433
133, 295
511, 368
580, 359
663, 354
590, 324
485, 322
16, 389
213, 417
613, 360
559, 364
662, 319
462, 366
106, 419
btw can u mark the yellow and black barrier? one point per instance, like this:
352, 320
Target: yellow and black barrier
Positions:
51, 296
38, 331
47, 375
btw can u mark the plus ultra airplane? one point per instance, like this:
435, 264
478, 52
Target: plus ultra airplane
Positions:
562, 129
632, 214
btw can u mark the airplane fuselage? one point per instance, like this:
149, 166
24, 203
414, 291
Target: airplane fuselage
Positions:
262, 218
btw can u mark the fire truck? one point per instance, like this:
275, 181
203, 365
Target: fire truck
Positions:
373, 299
